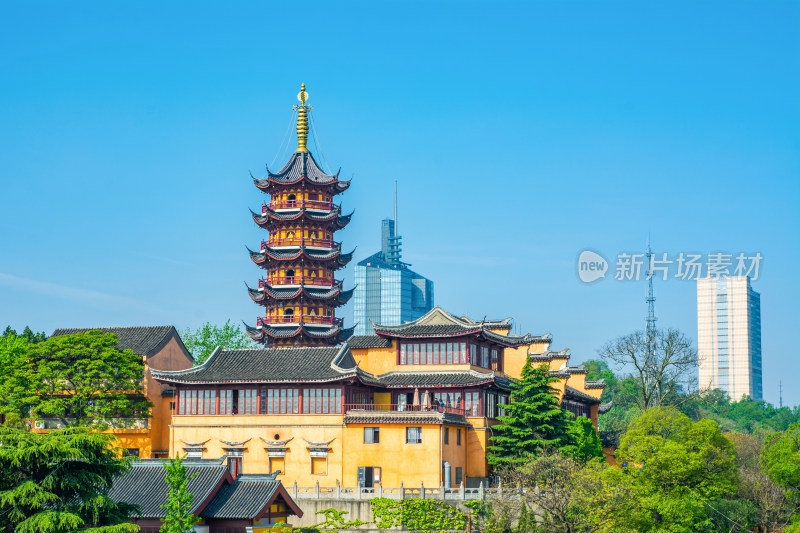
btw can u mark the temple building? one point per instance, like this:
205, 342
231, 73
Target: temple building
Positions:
298, 292
412, 403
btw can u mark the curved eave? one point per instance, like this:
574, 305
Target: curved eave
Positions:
335, 296
389, 332
265, 220
300, 331
270, 182
270, 254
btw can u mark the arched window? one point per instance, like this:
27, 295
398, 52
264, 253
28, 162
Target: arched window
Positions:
290, 274
288, 312
291, 197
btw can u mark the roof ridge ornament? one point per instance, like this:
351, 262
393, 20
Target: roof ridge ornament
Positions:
302, 119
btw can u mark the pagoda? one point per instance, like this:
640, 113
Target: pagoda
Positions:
299, 292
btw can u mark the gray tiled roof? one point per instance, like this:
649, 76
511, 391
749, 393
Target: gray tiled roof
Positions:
575, 394
269, 365
301, 164
445, 378
144, 485
409, 418
439, 323
599, 384
142, 340
368, 341
246, 497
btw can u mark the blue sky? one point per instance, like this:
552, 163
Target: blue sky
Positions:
520, 134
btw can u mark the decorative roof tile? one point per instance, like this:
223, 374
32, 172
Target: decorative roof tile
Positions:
599, 384
270, 365
145, 485
368, 341
142, 340
439, 323
439, 378
245, 498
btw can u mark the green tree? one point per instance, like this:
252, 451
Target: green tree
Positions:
534, 420
180, 518
678, 467
202, 341
26, 334
586, 444
780, 458
81, 379
58, 482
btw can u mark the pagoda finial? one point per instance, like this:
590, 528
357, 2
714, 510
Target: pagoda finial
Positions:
302, 119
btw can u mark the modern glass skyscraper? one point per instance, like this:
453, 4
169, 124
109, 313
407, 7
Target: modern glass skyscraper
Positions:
729, 336
387, 291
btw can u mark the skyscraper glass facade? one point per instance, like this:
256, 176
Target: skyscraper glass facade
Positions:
387, 291
729, 336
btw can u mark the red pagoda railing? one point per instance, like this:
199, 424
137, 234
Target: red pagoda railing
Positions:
325, 281
295, 319
297, 204
298, 241
404, 408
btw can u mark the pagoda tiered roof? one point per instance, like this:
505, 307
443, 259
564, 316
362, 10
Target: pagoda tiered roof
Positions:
439, 323
301, 167
334, 217
268, 256
335, 295
300, 334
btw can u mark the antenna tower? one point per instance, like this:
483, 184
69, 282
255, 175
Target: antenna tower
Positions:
780, 394
650, 329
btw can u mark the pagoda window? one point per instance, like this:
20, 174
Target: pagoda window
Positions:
290, 274
324, 400
288, 311
280, 401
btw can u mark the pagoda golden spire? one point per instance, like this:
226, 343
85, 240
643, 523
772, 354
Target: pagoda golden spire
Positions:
302, 119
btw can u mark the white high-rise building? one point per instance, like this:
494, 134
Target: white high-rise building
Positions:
729, 336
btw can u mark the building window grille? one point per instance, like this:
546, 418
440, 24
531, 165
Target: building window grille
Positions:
248, 401
434, 353
280, 401
459, 475
372, 435
472, 404
226, 402
414, 435
458, 437
447, 435
325, 400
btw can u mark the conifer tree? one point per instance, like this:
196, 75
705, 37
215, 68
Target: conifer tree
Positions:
180, 518
534, 420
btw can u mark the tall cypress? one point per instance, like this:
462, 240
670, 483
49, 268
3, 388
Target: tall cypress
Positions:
533, 419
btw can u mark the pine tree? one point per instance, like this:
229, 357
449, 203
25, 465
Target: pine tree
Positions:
180, 518
534, 420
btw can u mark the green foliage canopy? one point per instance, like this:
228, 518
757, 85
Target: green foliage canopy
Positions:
81, 379
202, 341
677, 466
58, 482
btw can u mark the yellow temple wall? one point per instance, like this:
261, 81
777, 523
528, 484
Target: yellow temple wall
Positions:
238, 428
